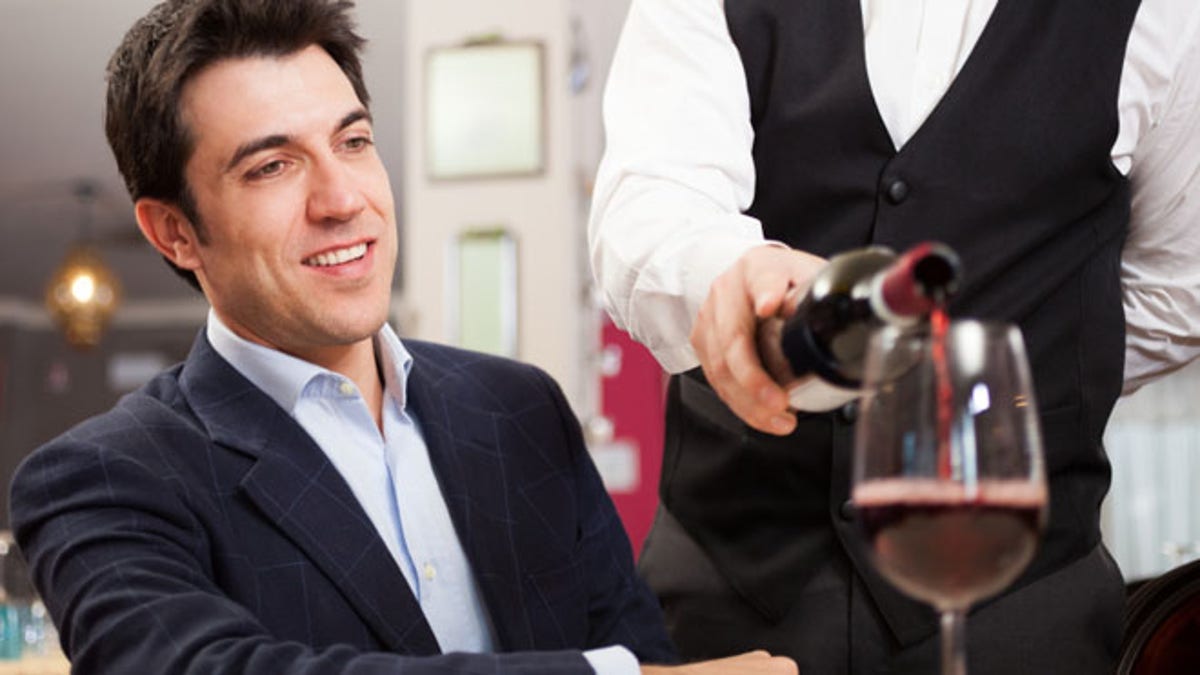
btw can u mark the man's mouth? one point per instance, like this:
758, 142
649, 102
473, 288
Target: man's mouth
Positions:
337, 257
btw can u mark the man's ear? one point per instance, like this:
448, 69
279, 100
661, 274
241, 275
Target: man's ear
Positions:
168, 230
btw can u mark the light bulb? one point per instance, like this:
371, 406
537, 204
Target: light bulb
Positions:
83, 288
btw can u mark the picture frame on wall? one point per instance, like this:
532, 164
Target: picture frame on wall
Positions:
482, 290
485, 110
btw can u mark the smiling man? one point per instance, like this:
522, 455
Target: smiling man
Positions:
307, 493
296, 237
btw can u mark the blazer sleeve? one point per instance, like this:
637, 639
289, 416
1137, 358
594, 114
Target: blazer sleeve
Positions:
621, 607
123, 568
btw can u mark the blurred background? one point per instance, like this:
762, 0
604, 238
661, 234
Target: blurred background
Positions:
488, 119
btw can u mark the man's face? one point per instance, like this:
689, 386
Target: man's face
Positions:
296, 205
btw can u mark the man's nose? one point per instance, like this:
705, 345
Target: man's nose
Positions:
334, 194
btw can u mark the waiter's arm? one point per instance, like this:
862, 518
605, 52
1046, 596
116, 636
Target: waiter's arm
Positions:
1160, 265
679, 265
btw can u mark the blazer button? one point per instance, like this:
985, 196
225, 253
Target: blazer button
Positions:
846, 511
897, 191
849, 412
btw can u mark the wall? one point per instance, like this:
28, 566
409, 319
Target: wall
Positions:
540, 211
1151, 518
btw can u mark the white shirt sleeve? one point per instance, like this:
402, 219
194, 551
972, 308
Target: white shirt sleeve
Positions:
1160, 265
615, 660
678, 170
676, 175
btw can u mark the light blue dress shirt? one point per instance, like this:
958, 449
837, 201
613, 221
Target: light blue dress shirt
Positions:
391, 476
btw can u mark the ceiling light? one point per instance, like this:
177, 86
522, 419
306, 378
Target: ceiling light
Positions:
84, 292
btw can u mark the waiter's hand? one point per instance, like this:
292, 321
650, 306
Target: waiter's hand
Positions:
766, 280
750, 663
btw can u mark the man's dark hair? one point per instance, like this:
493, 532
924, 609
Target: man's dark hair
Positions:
174, 42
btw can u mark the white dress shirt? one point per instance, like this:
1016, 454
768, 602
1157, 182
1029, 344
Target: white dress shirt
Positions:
677, 175
392, 478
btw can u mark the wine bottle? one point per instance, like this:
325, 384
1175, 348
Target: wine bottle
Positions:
854, 293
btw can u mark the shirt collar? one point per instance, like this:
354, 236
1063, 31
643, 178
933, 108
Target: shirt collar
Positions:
396, 363
283, 377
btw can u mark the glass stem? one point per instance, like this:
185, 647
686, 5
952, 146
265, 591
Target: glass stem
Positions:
954, 645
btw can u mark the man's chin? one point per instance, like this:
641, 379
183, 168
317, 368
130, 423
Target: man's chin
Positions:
352, 329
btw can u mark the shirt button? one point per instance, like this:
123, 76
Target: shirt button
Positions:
429, 571
897, 191
346, 389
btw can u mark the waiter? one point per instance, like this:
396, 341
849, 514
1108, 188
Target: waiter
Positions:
1055, 145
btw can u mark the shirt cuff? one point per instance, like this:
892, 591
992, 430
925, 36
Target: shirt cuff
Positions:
615, 660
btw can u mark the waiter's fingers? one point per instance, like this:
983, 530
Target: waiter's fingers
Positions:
766, 403
777, 277
725, 340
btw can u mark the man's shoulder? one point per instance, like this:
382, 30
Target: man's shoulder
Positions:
156, 408
150, 428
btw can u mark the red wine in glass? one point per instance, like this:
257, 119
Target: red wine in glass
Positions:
948, 479
984, 535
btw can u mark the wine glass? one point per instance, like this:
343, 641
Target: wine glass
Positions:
948, 478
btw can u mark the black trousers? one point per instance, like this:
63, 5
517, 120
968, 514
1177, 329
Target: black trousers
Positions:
1065, 623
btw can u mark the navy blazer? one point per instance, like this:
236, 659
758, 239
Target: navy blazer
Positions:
196, 527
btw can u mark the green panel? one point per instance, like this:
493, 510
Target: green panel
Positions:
487, 292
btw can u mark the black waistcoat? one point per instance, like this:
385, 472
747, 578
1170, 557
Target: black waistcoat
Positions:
1013, 170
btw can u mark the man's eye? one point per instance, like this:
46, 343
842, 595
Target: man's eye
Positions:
357, 143
268, 169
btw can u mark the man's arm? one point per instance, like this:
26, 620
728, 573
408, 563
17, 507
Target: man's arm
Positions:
127, 570
124, 569
679, 265
1160, 265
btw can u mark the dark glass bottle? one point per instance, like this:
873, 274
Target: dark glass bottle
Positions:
853, 294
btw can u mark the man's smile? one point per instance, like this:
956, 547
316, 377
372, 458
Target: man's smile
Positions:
337, 256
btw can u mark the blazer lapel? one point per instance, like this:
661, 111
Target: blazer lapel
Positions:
465, 454
295, 486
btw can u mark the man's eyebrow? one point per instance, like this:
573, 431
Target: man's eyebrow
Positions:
250, 147
277, 140
352, 117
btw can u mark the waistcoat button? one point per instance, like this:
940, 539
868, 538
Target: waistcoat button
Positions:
849, 412
847, 510
897, 191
